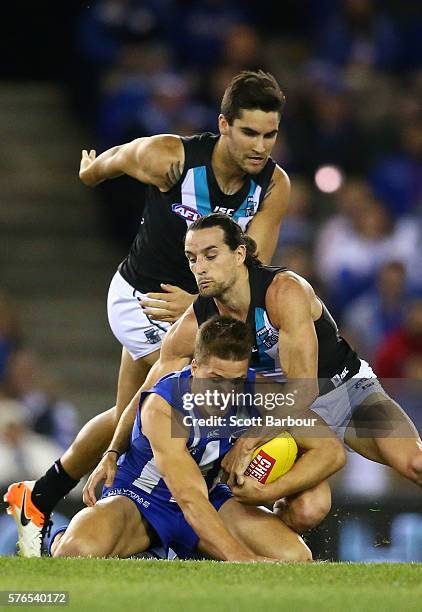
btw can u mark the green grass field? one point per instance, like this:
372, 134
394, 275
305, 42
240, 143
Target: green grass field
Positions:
110, 584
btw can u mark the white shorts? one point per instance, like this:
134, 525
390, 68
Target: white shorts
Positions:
137, 332
337, 406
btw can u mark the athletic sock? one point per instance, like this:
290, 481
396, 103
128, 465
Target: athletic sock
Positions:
51, 487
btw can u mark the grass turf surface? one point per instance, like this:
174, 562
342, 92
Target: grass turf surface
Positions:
111, 584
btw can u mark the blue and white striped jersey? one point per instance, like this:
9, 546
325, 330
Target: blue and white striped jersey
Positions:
207, 444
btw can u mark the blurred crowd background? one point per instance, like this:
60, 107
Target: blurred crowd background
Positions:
350, 139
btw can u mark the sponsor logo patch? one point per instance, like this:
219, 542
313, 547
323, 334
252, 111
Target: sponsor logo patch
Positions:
224, 210
152, 335
260, 467
268, 337
250, 207
127, 493
213, 434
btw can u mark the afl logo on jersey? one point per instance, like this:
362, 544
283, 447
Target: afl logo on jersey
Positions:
189, 214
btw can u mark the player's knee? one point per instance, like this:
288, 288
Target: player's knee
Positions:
308, 511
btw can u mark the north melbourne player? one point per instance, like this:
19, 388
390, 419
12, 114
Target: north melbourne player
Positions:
166, 489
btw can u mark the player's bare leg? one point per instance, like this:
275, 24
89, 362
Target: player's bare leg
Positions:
262, 532
90, 443
81, 457
305, 510
132, 375
113, 527
381, 431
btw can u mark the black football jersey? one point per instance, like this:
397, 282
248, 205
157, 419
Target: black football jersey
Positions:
157, 253
337, 361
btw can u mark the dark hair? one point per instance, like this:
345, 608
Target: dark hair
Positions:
223, 337
233, 235
251, 90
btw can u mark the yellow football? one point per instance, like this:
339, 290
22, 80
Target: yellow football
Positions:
273, 459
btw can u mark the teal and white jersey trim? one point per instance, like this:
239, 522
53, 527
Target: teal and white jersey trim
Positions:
249, 207
267, 338
196, 201
202, 194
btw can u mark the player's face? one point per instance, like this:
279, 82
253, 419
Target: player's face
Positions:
213, 264
218, 377
251, 138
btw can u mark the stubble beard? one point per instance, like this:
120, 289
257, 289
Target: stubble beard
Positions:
214, 291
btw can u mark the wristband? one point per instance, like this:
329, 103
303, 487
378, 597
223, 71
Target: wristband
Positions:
112, 451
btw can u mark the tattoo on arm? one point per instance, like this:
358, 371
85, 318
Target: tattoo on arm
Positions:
174, 174
269, 190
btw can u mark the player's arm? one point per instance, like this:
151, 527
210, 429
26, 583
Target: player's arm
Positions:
289, 307
176, 352
155, 160
186, 483
265, 226
319, 458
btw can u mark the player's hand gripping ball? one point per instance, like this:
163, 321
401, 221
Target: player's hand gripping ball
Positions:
273, 459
